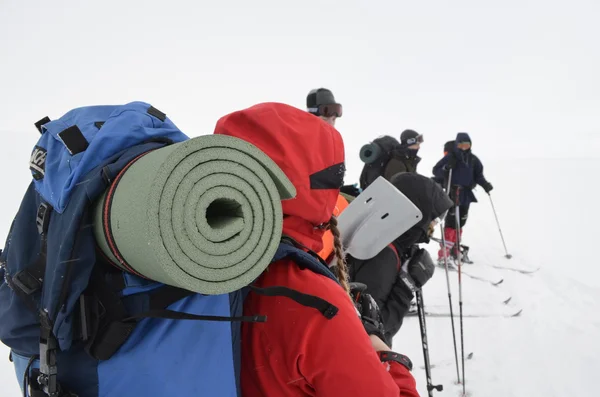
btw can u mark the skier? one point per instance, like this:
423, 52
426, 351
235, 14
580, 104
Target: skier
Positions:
393, 274
298, 351
387, 157
321, 103
467, 173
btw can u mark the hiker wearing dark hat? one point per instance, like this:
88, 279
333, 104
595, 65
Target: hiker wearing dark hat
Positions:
385, 156
404, 158
321, 103
467, 173
393, 273
300, 351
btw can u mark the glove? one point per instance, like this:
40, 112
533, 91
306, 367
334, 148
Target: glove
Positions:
487, 187
368, 310
417, 270
352, 190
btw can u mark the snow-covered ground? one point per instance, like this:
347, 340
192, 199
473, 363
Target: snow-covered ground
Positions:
547, 213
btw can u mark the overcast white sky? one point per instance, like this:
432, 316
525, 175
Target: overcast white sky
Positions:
520, 76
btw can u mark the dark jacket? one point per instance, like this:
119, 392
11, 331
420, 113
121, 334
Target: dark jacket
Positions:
381, 273
467, 174
402, 160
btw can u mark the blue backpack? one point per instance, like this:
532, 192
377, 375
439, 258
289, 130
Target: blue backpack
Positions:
78, 326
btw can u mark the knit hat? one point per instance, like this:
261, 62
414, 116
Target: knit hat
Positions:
410, 137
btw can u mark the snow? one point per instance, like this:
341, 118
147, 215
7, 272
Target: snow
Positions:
546, 210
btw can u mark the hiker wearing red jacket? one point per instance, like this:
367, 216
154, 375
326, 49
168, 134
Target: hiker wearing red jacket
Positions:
298, 351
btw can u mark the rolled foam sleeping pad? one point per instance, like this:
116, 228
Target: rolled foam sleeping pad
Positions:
204, 215
370, 152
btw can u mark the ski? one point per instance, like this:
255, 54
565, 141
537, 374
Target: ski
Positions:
485, 280
450, 244
514, 269
494, 283
475, 315
437, 311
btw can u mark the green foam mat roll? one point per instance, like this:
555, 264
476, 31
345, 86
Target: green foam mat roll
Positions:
204, 215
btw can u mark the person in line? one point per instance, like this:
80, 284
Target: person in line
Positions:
299, 352
392, 275
386, 156
466, 172
321, 103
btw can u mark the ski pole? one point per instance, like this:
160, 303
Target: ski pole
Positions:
450, 302
460, 301
507, 255
423, 327
448, 283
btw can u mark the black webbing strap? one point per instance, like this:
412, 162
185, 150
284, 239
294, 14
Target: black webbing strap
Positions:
38, 124
152, 111
48, 379
102, 317
30, 280
163, 297
325, 308
173, 315
110, 324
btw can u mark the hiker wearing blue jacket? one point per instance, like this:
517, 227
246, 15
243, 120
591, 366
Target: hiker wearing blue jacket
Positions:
467, 173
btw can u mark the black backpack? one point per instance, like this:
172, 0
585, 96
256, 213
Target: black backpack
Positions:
376, 156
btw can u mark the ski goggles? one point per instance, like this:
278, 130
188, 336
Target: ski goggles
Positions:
415, 140
330, 110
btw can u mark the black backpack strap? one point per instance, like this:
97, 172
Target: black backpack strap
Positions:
325, 308
290, 241
26, 283
106, 324
101, 313
30, 279
38, 124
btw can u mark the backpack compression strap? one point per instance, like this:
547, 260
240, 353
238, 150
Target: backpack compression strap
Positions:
327, 309
25, 283
106, 332
30, 280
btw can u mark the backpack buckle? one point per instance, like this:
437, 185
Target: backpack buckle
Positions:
43, 218
48, 368
26, 282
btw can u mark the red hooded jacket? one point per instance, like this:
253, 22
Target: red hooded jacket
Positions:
299, 352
